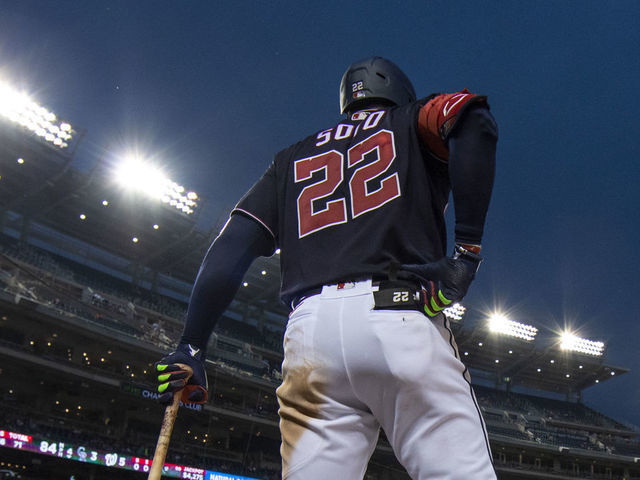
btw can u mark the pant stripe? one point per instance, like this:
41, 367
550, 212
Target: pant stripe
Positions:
465, 375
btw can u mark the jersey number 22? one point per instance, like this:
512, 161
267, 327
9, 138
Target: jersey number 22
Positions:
362, 199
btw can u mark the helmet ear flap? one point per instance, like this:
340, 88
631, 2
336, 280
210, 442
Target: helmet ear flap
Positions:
374, 80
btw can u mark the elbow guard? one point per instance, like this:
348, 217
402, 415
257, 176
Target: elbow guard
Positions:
439, 117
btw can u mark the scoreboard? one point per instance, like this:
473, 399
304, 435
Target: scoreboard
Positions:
81, 453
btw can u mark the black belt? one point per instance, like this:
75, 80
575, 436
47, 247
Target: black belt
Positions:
391, 295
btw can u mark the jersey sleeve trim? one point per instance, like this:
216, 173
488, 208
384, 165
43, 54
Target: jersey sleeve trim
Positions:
251, 215
439, 116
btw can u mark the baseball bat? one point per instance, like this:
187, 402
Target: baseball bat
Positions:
170, 414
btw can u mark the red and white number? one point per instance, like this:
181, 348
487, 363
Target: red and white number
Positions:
335, 211
361, 197
363, 200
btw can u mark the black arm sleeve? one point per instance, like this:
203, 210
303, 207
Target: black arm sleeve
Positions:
230, 255
472, 158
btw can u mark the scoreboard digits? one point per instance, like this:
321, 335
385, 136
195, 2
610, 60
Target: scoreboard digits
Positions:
20, 441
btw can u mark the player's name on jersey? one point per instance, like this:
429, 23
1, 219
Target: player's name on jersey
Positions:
343, 131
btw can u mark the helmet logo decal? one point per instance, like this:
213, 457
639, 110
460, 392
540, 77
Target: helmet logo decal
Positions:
358, 89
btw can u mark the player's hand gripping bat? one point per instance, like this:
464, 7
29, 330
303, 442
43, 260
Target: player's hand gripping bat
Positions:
164, 436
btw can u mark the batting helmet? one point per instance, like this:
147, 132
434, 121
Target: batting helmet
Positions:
374, 79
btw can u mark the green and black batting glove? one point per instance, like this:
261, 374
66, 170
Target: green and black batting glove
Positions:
447, 280
170, 377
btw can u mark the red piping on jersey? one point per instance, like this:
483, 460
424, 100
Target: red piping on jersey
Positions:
255, 218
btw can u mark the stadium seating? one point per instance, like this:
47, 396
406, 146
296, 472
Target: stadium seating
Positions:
103, 286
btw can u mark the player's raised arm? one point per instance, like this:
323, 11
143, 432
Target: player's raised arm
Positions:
241, 241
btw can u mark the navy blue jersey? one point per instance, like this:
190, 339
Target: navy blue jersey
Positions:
344, 203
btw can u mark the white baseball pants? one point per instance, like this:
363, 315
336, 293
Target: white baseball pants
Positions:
349, 370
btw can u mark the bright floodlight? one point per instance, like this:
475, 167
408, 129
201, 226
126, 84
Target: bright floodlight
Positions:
142, 176
568, 341
498, 323
19, 108
454, 312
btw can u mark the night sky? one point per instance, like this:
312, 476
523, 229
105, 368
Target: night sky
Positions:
211, 90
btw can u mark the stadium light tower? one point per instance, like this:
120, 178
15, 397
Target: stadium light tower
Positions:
569, 341
498, 323
455, 312
139, 175
19, 108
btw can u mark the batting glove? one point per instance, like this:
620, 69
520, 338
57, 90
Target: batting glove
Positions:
446, 280
171, 377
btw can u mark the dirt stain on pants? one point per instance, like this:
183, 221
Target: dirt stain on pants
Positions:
300, 399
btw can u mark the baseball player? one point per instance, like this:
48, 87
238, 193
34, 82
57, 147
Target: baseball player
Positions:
357, 210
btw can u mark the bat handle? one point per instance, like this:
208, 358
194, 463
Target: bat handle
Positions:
170, 414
